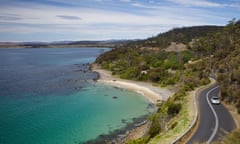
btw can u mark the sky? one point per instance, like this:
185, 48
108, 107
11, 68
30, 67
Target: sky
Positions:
70, 20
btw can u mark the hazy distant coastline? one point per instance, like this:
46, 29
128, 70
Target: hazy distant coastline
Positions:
64, 44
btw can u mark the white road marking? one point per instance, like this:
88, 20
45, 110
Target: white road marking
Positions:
215, 115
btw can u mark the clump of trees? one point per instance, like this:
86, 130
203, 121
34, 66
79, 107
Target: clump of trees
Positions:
221, 51
165, 68
180, 35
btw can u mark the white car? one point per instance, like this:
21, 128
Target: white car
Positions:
215, 100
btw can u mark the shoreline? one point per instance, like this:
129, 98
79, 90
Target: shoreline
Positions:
154, 94
124, 134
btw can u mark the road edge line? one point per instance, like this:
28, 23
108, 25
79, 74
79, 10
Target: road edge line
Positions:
196, 107
215, 115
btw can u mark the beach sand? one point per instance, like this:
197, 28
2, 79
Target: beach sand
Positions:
152, 93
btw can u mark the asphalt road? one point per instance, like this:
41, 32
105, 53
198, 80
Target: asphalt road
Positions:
214, 120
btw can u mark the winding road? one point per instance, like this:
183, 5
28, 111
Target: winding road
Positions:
214, 120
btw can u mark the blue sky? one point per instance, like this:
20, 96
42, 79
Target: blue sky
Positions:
55, 20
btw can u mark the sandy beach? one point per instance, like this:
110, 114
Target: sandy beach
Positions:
152, 93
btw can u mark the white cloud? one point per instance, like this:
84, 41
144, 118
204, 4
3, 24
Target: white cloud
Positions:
103, 0
84, 16
95, 23
125, 0
198, 3
69, 17
136, 4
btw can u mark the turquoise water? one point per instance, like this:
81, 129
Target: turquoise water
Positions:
43, 100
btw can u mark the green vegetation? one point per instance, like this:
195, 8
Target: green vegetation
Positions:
180, 35
171, 118
221, 51
211, 51
158, 67
231, 138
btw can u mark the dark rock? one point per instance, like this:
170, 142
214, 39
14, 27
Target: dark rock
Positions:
114, 97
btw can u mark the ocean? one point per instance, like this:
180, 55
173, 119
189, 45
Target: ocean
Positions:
49, 96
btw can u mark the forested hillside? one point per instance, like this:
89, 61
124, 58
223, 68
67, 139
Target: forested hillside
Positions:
134, 61
221, 52
210, 51
180, 35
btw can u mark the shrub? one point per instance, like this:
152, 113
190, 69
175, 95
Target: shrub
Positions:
231, 138
238, 107
187, 88
174, 108
154, 76
155, 127
180, 95
205, 81
170, 81
174, 125
131, 73
191, 82
140, 140
187, 55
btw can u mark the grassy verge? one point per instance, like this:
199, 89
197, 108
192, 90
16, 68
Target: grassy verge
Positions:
176, 126
182, 121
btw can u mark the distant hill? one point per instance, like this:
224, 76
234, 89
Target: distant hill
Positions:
107, 43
